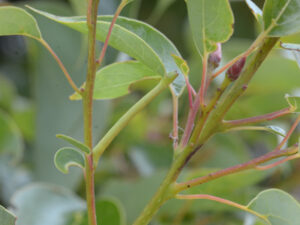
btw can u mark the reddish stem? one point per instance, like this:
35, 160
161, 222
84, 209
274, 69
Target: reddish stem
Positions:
61, 65
241, 167
202, 90
270, 166
113, 22
194, 110
210, 197
294, 126
258, 119
92, 13
193, 91
221, 200
189, 88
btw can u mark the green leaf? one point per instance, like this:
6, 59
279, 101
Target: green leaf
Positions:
257, 12
66, 157
16, 21
135, 38
74, 142
115, 80
295, 48
290, 46
6, 217
278, 206
294, 102
45, 204
111, 211
121, 38
182, 65
281, 17
211, 23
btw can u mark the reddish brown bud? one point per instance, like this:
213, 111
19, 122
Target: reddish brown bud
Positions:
235, 70
215, 57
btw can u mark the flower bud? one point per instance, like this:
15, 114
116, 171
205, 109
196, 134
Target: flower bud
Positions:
215, 57
235, 70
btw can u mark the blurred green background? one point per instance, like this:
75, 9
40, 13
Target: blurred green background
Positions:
34, 106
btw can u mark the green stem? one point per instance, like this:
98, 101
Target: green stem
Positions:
207, 110
129, 115
90, 192
175, 120
87, 96
165, 191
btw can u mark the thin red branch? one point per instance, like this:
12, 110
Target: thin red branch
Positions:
258, 119
270, 166
61, 65
241, 167
194, 110
189, 89
222, 201
113, 22
202, 90
294, 126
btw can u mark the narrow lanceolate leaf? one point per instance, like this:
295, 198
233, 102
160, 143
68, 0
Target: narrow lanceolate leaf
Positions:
16, 21
281, 17
135, 38
276, 130
278, 207
115, 80
6, 217
74, 142
211, 22
294, 102
256, 11
295, 48
66, 157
